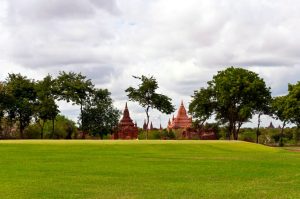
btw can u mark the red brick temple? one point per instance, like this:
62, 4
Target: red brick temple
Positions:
181, 121
126, 128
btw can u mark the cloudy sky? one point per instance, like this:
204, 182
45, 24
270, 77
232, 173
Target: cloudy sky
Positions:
181, 43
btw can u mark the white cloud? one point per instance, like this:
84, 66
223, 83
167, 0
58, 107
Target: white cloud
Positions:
181, 43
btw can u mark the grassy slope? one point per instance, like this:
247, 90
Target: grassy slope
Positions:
147, 169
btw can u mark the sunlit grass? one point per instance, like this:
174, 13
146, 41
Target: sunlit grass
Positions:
146, 169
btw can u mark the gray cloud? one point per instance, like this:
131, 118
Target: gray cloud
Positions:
183, 44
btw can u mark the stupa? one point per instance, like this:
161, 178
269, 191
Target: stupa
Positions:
271, 126
181, 121
126, 128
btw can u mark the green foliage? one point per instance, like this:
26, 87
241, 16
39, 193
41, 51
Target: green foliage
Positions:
23, 97
64, 129
168, 134
46, 107
33, 131
233, 96
247, 134
98, 115
25, 102
202, 106
294, 103
281, 109
147, 97
157, 135
75, 88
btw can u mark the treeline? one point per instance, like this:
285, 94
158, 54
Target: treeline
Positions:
25, 102
231, 98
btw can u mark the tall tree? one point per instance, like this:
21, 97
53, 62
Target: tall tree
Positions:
282, 111
233, 96
294, 102
4, 101
99, 115
76, 88
147, 97
46, 107
287, 108
263, 107
23, 99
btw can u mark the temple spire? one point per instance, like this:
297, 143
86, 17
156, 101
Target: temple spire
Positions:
126, 128
182, 120
145, 127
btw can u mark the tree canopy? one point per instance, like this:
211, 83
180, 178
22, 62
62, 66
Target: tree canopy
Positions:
23, 98
46, 107
147, 97
74, 87
233, 96
98, 114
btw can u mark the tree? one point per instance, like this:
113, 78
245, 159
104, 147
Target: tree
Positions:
287, 108
99, 115
283, 112
75, 88
23, 98
64, 128
5, 100
46, 108
233, 96
263, 107
147, 97
294, 103
202, 107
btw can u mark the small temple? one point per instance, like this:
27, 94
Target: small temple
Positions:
181, 121
271, 126
151, 126
126, 128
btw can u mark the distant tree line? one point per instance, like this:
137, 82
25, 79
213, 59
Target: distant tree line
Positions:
231, 98
24, 101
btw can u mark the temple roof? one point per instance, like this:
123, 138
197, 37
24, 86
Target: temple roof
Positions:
182, 112
126, 120
181, 120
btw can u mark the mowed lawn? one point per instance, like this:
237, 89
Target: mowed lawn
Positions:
147, 169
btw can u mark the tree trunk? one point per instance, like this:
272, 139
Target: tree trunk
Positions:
230, 127
21, 131
281, 134
42, 130
81, 116
234, 132
52, 128
237, 131
147, 113
258, 125
200, 128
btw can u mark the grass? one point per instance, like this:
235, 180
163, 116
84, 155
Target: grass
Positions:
147, 169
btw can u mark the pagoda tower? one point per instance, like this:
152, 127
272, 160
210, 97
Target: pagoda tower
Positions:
151, 127
145, 127
126, 128
181, 121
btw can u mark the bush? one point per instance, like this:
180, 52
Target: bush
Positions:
63, 129
248, 135
32, 132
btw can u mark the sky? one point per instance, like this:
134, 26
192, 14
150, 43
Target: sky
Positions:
183, 44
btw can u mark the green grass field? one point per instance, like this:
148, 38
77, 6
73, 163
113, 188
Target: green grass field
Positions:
147, 169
